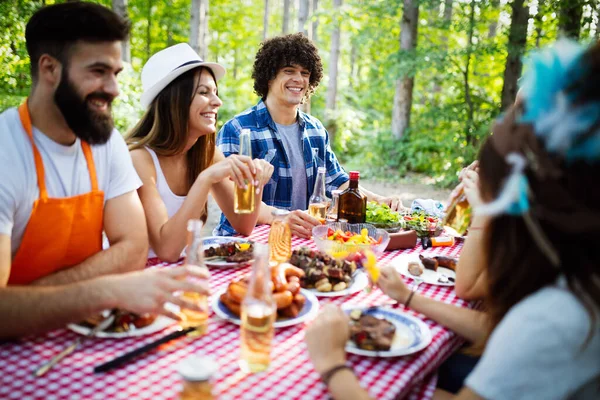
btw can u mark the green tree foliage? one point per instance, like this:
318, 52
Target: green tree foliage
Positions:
447, 125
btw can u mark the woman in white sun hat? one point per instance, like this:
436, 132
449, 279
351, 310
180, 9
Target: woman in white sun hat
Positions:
173, 150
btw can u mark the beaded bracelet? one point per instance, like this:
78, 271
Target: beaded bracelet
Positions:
327, 375
410, 296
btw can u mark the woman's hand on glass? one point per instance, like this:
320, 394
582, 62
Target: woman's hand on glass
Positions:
264, 170
240, 169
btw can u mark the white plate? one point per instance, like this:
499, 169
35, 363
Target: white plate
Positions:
309, 311
412, 334
161, 322
428, 276
360, 280
214, 241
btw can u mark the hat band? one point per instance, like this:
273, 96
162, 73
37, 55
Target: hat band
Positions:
188, 63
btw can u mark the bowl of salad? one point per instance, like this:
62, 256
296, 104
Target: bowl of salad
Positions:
381, 216
340, 238
423, 223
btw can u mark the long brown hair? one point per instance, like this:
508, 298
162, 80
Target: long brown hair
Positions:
164, 127
516, 267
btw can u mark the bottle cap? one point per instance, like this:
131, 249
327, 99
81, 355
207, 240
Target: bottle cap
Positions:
321, 170
354, 175
197, 368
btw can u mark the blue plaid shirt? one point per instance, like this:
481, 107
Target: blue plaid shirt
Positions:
267, 145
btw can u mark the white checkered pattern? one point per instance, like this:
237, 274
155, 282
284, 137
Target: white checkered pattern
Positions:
290, 376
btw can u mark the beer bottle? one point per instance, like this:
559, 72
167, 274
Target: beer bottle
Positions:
458, 217
318, 202
352, 203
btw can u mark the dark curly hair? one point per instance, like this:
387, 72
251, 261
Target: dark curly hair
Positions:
281, 51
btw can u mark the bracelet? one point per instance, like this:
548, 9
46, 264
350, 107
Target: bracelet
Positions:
410, 296
327, 375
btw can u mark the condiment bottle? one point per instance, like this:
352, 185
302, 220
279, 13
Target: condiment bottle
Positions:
243, 200
332, 212
352, 203
258, 315
318, 202
458, 215
280, 237
196, 373
439, 241
194, 255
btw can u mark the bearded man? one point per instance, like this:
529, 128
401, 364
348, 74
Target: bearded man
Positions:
65, 172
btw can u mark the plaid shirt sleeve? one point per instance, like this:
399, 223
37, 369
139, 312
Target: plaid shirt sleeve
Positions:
228, 139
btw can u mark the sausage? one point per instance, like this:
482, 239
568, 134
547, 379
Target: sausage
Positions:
237, 291
429, 263
283, 299
290, 311
294, 287
230, 304
281, 273
299, 300
446, 262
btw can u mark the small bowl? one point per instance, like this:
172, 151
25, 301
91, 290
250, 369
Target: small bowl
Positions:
331, 247
390, 227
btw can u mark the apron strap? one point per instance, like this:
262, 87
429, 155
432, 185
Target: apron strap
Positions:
37, 157
39, 164
87, 151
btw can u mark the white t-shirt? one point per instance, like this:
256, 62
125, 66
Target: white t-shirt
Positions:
172, 201
65, 168
536, 351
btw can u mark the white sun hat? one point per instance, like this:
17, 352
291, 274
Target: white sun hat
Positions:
166, 65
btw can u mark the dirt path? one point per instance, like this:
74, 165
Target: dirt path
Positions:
407, 191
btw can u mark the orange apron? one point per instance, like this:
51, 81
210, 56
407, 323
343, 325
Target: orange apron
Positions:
61, 232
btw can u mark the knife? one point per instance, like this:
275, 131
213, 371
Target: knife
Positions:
41, 370
116, 362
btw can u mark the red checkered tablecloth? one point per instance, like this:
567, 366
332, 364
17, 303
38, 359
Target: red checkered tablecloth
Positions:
290, 376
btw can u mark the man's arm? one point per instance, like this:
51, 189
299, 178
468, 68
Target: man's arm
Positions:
29, 310
125, 227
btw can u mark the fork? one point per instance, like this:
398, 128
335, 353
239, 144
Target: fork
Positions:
41, 370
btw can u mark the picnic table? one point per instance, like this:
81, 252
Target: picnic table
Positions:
290, 375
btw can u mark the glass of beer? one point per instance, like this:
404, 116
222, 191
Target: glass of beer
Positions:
195, 256
243, 201
258, 315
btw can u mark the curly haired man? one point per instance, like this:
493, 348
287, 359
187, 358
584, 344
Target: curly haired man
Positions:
287, 70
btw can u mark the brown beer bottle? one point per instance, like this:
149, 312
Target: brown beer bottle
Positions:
352, 203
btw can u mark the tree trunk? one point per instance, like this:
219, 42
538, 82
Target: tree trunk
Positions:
199, 27
266, 20
517, 38
493, 28
404, 84
303, 8
569, 18
447, 24
148, 30
333, 60
120, 8
286, 16
315, 24
468, 100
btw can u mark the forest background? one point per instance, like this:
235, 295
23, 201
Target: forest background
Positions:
410, 88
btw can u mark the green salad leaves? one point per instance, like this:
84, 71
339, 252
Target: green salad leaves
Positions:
381, 214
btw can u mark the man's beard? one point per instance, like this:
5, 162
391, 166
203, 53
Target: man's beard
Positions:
87, 124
